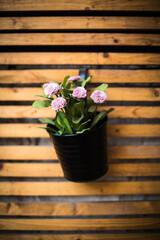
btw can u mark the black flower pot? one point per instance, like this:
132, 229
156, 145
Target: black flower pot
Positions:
83, 157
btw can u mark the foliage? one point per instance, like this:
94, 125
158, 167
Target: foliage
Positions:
77, 114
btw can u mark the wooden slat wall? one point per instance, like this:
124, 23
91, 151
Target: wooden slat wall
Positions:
110, 5
116, 39
119, 43
125, 94
94, 22
120, 112
116, 76
77, 58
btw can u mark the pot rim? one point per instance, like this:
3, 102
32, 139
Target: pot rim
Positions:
76, 134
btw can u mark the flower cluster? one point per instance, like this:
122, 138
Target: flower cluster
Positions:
79, 92
75, 112
58, 103
51, 89
99, 96
73, 78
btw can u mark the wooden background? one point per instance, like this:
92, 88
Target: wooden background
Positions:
118, 42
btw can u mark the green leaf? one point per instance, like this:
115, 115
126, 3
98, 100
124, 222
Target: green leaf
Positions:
78, 112
67, 126
89, 103
49, 129
63, 122
68, 85
102, 87
41, 104
66, 92
43, 96
59, 118
47, 120
80, 80
83, 125
86, 81
110, 110
91, 110
64, 81
79, 132
98, 118
61, 128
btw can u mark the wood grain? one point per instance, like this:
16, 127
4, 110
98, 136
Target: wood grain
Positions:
119, 112
116, 39
81, 58
99, 75
80, 224
77, 189
54, 170
130, 130
79, 209
20, 130
117, 5
101, 236
82, 22
44, 75
48, 152
68, 189
113, 94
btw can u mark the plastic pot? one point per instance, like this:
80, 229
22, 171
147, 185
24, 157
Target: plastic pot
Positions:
83, 157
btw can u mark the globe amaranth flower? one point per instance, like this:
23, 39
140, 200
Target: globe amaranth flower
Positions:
51, 89
73, 78
58, 103
98, 96
79, 92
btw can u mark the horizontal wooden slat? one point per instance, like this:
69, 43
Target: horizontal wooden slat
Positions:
79, 58
124, 236
130, 130
121, 76
80, 39
54, 170
77, 189
99, 75
44, 75
82, 22
79, 209
134, 112
25, 112
135, 5
119, 112
113, 94
80, 224
48, 152
123, 130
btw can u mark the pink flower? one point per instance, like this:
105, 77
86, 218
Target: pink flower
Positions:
45, 85
73, 78
79, 92
58, 103
98, 96
51, 89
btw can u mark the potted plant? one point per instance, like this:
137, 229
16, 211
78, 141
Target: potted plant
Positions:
78, 131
